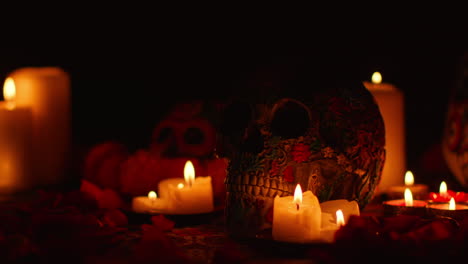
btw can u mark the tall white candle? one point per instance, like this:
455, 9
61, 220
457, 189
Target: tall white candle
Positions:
391, 104
297, 218
192, 195
15, 143
46, 90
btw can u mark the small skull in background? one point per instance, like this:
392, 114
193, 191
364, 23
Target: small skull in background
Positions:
285, 130
188, 132
185, 131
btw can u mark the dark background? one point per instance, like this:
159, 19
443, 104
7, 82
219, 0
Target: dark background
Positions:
123, 79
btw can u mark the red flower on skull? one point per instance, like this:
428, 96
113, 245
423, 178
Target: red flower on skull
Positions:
288, 175
300, 152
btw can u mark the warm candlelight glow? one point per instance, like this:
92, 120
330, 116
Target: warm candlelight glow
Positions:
443, 188
376, 77
408, 197
189, 173
152, 195
340, 218
9, 93
9, 89
452, 204
409, 178
298, 196
180, 186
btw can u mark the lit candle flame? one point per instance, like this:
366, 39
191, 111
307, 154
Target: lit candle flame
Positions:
189, 173
152, 195
408, 197
452, 204
443, 189
298, 196
339, 218
409, 178
376, 77
9, 92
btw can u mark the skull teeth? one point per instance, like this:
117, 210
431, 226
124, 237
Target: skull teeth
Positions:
256, 185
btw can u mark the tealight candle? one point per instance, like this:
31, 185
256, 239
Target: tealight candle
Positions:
148, 204
450, 209
419, 191
406, 206
297, 218
193, 195
444, 195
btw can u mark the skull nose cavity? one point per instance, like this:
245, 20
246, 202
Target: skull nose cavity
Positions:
194, 136
291, 119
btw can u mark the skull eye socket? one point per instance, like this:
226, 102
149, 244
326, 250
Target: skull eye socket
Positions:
237, 117
164, 134
291, 119
194, 136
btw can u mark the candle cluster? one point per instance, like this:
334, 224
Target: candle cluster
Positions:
302, 219
444, 195
191, 195
444, 203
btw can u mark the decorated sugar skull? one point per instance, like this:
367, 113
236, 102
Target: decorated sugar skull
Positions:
283, 130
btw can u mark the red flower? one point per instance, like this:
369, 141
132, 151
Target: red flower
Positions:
114, 218
300, 152
274, 168
162, 222
288, 174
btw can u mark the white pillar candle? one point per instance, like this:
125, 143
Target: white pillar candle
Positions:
148, 204
46, 90
297, 218
391, 104
15, 143
191, 195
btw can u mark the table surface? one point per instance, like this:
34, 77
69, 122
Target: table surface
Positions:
198, 239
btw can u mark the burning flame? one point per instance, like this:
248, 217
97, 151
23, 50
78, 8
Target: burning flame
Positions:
409, 178
152, 195
189, 173
443, 189
376, 77
339, 218
9, 89
9, 92
408, 197
298, 196
452, 204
